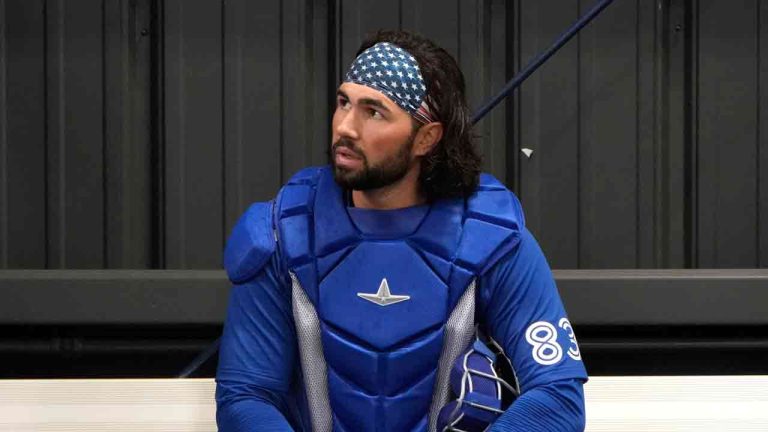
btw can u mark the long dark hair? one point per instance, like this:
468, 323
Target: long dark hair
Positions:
452, 168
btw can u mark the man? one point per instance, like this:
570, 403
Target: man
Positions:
358, 289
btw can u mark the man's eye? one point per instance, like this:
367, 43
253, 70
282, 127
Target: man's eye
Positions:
344, 104
376, 115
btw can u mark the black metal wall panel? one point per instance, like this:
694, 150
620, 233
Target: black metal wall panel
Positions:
490, 59
252, 101
75, 137
358, 19
727, 129
444, 29
76, 149
194, 227
133, 133
673, 168
129, 224
608, 155
22, 135
580, 114
548, 124
650, 33
306, 96
246, 106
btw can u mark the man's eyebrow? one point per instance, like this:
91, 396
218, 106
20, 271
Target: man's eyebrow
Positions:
366, 101
374, 102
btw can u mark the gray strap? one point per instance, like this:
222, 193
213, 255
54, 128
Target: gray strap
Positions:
459, 331
313, 364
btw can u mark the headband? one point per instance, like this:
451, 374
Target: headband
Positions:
393, 71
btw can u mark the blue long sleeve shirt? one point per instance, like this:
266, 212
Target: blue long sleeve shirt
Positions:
259, 386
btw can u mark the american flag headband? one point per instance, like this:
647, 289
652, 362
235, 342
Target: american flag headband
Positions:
393, 71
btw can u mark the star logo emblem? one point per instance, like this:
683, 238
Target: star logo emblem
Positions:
383, 297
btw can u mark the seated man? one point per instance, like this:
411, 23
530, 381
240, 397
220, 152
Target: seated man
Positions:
361, 285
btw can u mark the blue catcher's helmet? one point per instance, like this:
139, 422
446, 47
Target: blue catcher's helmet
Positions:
481, 393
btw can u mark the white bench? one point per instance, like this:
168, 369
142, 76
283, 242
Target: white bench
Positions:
669, 404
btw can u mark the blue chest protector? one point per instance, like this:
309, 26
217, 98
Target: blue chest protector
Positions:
380, 318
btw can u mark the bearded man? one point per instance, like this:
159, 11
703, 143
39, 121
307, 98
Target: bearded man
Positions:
359, 292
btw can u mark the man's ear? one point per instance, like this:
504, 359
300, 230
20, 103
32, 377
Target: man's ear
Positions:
427, 138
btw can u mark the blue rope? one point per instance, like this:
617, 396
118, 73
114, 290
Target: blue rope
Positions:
543, 57
200, 359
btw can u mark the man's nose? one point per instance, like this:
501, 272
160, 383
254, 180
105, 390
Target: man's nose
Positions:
347, 126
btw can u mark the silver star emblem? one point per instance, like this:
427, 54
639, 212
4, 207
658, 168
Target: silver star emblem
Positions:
383, 297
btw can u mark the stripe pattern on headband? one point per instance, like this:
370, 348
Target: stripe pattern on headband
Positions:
393, 71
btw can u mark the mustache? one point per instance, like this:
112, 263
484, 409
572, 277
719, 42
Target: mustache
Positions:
347, 144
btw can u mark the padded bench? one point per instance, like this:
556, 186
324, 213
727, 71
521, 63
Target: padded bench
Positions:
649, 403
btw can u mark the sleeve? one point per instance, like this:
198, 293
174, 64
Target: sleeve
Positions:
257, 356
521, 309
558, 406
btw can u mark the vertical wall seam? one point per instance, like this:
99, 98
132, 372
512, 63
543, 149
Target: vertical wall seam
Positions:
3, 142
104, 157
222, 56
691, 53
4, 204
518, 104
578, 145
638, 147
459, 21
181, 199
306, 11
515, 117
337, 63
659, 111
180, 114
758, 155
282, 83
159, 93
332, 57
61, 117
46, 130
694, 139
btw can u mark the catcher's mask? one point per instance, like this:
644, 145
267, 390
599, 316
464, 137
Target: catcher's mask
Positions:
481, 393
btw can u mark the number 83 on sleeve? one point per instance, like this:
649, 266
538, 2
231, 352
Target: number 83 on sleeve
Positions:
542, 336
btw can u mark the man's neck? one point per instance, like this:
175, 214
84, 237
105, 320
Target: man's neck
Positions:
401, 194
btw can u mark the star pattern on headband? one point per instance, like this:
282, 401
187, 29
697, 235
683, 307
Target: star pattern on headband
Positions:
393, 71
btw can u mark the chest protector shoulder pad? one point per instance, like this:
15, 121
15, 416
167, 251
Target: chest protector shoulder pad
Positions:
251, 243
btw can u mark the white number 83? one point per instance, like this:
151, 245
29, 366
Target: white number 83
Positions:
543, 337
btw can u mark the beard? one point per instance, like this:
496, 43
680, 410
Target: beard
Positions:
369, 177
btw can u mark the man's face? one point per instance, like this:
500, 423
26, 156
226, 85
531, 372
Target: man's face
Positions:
372, 142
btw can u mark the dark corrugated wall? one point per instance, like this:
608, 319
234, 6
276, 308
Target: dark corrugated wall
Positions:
134, 132
76, 164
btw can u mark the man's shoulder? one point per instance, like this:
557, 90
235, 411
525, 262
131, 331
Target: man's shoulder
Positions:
251, 243
253, 239
491, 223
298, 192
494, 203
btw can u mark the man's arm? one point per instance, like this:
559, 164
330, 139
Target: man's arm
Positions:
557, 406
257, 356
522, 311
